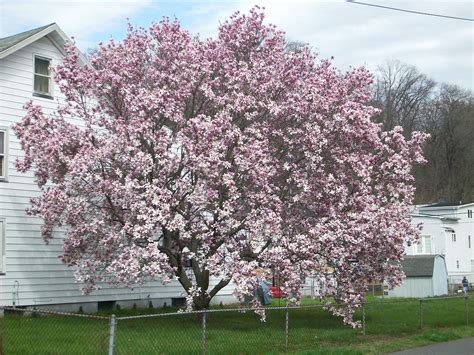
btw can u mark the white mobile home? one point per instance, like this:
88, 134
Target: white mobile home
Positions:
31, 273
426, 276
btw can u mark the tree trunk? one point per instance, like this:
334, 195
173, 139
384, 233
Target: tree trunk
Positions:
201, 302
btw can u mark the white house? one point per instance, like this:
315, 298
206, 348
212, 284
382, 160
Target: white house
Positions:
426, 276
31, 273
447, 229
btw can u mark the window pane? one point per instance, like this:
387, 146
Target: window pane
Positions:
2, 142
2, 163
41, 84
419, 248
41, 66
427, 241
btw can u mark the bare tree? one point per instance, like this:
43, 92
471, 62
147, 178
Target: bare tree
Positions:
410, 99
295, 46
401, 92
453, 142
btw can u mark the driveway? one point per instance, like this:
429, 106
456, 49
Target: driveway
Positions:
455, 347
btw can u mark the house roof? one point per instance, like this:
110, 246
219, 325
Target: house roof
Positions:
10, 41
442, 218
11, 44
448, 205
419, 265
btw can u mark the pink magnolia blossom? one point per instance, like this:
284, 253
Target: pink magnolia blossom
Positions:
232, 154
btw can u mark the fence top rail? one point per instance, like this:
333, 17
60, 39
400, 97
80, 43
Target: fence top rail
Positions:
407, 300
51, 312
444, 298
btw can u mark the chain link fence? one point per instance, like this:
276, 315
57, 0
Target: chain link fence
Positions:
227, 330
25, 331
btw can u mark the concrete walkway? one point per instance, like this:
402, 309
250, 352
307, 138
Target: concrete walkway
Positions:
455, 347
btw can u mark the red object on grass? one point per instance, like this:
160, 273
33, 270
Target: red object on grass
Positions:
275, 291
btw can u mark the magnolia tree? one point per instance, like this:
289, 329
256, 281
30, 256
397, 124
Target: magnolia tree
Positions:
201, 160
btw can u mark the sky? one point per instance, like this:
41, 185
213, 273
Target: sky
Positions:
354, 34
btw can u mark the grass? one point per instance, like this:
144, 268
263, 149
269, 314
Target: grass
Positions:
389, 327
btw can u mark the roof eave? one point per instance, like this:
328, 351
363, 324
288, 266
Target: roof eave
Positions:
442, 218
452, 207
453, 219
48, 30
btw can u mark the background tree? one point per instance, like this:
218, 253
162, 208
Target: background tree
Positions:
450, 150
229, 154
410, 99
295, 46
402, 93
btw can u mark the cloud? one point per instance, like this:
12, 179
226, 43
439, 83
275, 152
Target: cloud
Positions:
355, 35
82, 19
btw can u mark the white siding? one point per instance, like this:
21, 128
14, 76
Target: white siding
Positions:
35, 266
458, 250
465, 229
440, 277
415, 287
433, 228
2, 246
442, 242
418, 287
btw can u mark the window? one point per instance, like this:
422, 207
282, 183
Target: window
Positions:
3, 154
2, 245
457, 264
42, 78
469, 241
424, 246
427, 244
469, 213
453, 237
419, 248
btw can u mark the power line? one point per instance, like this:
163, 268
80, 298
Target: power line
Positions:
410, 11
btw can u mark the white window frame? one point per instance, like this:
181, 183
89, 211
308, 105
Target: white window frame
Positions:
421, 246
43, 95
2, 245
5, 131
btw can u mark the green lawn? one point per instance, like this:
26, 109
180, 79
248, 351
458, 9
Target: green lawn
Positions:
389, 327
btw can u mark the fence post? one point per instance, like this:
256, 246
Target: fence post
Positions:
112, 334
286, 329
363, 318
466, 310
204, 332
421, 313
